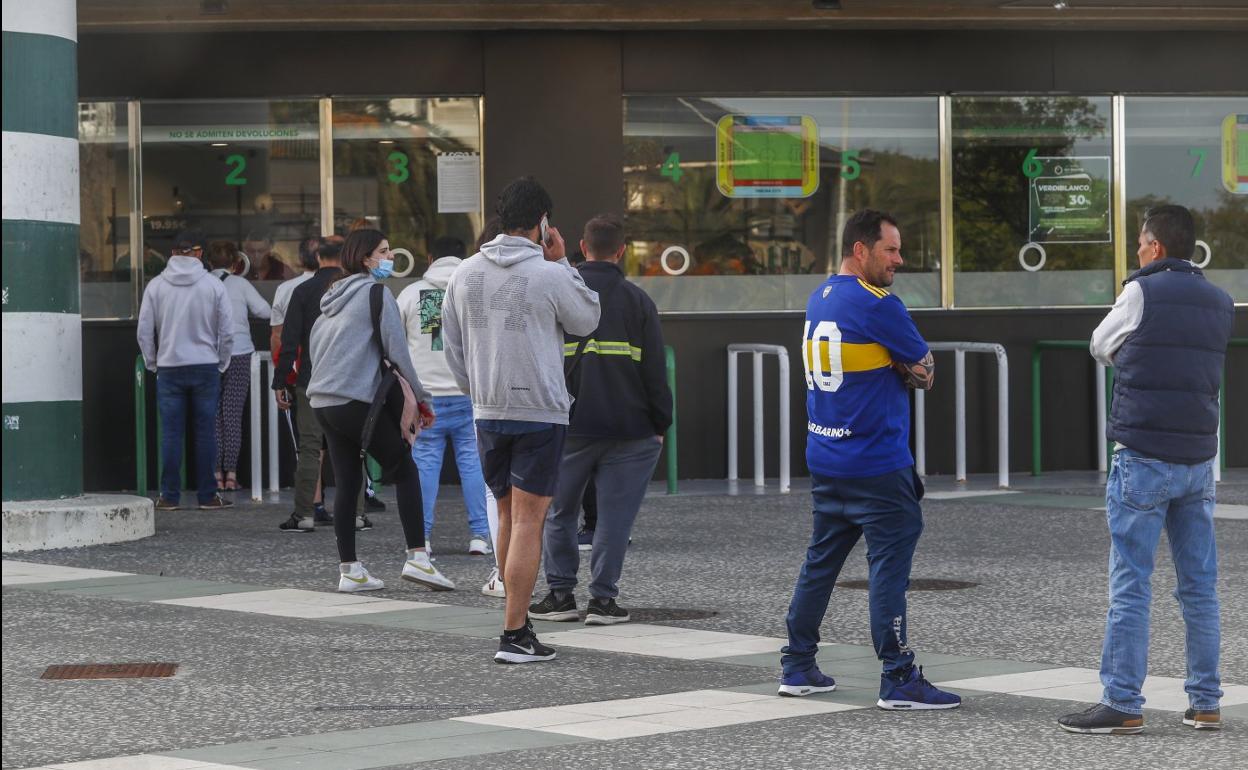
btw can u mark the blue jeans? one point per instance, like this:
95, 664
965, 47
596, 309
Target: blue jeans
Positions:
1143, 496
183, 390
886, 510
454, 420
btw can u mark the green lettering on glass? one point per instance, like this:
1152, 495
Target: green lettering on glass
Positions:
1200, 160
671, 168
850, 167
398, 167
1032, 167
237, 164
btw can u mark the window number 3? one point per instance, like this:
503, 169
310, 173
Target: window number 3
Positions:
398, 167
826, 338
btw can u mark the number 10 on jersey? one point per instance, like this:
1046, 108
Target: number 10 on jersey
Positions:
821, 357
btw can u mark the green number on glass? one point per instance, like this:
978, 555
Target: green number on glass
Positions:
398, 167
1200, 160
1032, 167
850, 167
237, 164
671, 168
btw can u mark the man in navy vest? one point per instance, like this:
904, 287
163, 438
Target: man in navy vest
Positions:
1166, 337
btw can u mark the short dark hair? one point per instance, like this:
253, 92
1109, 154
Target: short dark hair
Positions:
1174, 227
448, 246
522, 204
359, 244
331, 247
308, 248
864, 226
603, 236
222, 254
489, 231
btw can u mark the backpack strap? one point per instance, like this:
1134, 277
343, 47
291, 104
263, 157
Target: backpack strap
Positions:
379, 398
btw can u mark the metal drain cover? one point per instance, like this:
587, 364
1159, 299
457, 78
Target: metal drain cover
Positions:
110, 671
917, 584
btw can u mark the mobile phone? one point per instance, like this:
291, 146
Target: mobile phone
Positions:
545, 225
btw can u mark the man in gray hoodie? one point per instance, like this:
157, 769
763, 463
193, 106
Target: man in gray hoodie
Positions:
503, 319
185, 334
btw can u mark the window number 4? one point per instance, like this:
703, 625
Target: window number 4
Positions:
671, 168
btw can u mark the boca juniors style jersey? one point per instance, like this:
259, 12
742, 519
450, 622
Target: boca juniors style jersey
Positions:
857, 407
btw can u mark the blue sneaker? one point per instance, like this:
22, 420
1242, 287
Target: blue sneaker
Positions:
802, 683
914, 693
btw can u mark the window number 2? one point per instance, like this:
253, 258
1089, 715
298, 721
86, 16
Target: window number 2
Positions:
237, 164
826, 337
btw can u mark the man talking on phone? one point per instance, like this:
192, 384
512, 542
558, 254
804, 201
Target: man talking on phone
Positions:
504, 316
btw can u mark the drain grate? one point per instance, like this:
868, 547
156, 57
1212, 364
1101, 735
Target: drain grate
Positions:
110, 671
652, 614
917, 584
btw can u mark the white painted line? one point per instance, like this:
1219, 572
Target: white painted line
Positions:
1084, 684
40, 181
39, 17
1232, 512
959, 494
525, 719
143, 762
680, 644
1027, 680
42, 357
611, 729
294, 603
25, 572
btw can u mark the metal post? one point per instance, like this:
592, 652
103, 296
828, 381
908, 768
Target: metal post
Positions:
257, 481
759, 475
140, 426
732, 415
274, 443
959, 409
1003, 419
785, 439
920, 432
1098, 393
669, 440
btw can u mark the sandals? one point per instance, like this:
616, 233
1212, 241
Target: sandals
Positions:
230, 483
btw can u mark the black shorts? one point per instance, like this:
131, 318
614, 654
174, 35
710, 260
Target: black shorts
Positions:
527, 461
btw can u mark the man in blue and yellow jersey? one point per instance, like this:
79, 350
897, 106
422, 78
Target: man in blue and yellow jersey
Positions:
861, 352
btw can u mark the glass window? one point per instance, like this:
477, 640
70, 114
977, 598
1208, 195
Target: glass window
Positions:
738, 203
247, 172
1193, 152
410, 167
1032, 202
106, 272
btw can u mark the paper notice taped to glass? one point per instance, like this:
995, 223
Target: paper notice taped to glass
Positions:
459, 183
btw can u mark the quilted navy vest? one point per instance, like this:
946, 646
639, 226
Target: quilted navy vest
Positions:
1169, 370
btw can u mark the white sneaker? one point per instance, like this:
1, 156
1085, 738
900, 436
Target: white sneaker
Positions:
494, 586
418, 569
353, 578
479, 546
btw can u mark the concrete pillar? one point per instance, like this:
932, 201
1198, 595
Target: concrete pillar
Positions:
42, 348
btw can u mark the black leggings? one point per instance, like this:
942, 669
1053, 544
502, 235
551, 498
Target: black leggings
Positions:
343, 426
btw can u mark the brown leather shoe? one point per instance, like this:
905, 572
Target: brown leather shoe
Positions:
1203, 719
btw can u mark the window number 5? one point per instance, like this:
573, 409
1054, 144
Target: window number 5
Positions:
821, 357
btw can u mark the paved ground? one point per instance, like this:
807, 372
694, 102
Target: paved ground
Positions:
305, 678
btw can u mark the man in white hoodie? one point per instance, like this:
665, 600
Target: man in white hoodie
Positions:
503, 319
186, 336
420, 306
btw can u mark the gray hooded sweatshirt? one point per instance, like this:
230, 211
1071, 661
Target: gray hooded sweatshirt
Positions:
345, 360
503, 319
185, 318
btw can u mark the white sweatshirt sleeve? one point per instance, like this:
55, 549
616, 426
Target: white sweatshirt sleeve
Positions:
1124, 317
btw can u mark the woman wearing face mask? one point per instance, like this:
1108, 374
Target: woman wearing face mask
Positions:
345, 376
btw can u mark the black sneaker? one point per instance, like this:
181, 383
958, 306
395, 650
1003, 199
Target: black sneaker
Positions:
1203, 719
373, 505
522, 647
555, 607
362, 524
1102, 720
605, 613
320, 515
216, 503
297, 524
165, 504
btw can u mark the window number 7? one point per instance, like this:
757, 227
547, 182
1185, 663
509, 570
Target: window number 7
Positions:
1199, 154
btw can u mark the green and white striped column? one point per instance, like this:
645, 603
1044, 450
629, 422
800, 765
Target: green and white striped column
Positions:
42, 323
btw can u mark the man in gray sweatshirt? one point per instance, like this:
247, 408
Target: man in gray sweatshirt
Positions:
186, 336
503, 319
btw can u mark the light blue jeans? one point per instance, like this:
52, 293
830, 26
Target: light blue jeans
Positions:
454, 421
1143, 496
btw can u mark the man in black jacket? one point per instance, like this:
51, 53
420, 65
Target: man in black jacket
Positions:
623, 406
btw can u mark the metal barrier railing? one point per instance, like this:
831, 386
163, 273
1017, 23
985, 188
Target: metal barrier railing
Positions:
783, 357
257, 395
1102, 393
960, 349
669, 439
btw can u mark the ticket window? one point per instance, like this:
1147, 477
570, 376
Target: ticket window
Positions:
1032, 201
106, 270
1193, 152
738, 203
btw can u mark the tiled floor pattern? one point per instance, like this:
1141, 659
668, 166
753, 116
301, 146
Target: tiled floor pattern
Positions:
854, 666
